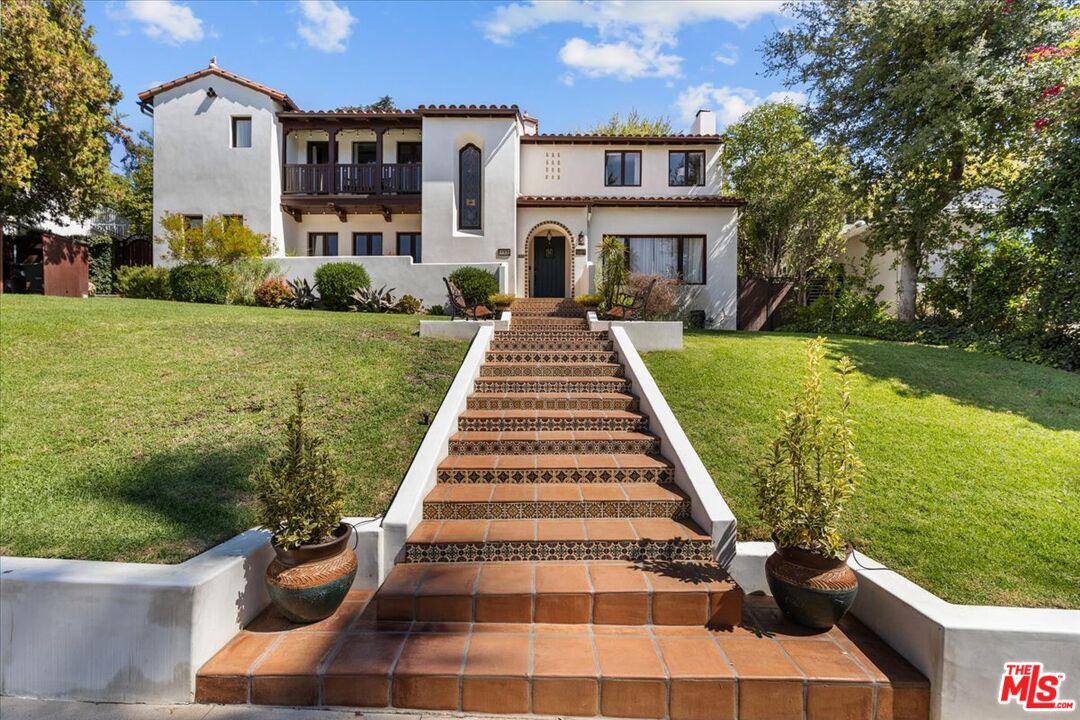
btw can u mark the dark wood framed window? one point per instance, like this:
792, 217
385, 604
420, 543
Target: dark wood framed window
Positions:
678, 257
409, 152
318, 152
241, 132
469, 188
322, 244
409, 244
192, 221
686, 168
622, 168
367, 243
363, 152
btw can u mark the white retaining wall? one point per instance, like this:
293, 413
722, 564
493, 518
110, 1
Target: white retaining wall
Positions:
962, 649
647, 335
421, 280
708, 508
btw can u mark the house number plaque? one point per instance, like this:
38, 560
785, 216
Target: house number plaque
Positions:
502, 252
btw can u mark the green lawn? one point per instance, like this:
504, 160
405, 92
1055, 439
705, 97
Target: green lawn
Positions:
972, 484
129, 427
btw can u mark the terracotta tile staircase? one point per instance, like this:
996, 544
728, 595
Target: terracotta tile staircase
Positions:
557, 572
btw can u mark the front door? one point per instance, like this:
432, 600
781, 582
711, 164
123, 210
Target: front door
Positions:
549, 266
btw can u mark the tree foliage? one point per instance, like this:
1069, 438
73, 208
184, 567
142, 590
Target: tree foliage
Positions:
57, 112
633, 124
916, 91
797, 194
132, 194
220, 239
383, 104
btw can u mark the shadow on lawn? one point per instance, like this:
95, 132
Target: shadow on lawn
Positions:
204, 492
1048, 397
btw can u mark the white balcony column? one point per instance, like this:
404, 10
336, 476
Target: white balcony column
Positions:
332, 133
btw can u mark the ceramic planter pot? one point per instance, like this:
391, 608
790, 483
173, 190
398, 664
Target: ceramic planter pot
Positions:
309, 582
810, 589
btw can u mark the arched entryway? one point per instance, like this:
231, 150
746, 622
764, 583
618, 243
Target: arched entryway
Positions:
549, 258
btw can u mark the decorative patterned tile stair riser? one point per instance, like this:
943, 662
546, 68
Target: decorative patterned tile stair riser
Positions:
552, 356
501, 446
568, 423
552, 385
659, 475
551, 370
552, 401
498, 344
559, 550
677, 509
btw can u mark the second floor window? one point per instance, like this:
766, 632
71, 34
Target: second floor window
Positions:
322, 244
686, 168
318, 152
469, 194
363, 153
622, 167
241, 132
408, 152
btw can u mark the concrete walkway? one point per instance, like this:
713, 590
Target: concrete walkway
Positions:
22, 709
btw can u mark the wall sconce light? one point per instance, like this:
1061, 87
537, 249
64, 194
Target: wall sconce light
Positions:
580, 238
211, 93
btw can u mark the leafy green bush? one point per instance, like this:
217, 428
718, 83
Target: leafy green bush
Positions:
501, 300
219, 239
408, 305
476, 285
613, 269
812, 468
272, 292
338, 281
143, 281
436, 311
198, 283
101, 264
299, 491
589, 300
244, 275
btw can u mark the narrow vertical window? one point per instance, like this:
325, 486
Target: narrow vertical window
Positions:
622, 167
241, 132
686, 168
469, 193
367, 243
409, 244
322, 244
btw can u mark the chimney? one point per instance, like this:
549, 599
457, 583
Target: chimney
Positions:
704, 123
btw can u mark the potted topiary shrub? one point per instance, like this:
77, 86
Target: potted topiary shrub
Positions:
300, 500
802, 488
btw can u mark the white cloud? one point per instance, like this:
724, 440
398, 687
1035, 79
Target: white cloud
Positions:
567, 79
163, 20
728, 55
326, 25
632, 36
622, 60
729, 103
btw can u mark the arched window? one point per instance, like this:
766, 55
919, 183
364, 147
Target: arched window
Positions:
469, 188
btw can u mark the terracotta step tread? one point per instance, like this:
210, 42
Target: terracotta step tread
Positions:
434, 532
495, 493
576, 593
512, 435
554, 462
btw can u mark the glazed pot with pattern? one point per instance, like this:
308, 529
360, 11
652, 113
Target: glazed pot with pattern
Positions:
309, 582
812, 590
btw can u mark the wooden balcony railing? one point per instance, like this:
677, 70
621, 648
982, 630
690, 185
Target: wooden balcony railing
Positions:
353, 179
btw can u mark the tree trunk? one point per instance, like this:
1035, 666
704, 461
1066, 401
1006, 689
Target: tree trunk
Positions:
909, 270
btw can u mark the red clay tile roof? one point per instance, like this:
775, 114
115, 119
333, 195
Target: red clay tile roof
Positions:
147, 95
587, 139
475, 110
619, 201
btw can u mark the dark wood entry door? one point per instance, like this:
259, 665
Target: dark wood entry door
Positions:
549, 266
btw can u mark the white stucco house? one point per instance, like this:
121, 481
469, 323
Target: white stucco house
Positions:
413, 194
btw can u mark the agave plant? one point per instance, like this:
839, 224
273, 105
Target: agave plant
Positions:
304, 297
373, 301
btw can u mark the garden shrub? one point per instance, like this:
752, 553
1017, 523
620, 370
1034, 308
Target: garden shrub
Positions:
436, 311
501, 300
198, 283
476, 285
272, 292
613, 269
661, 302
300, 494
101, 264
589, 300
219, 239
409, 305
143, 281
373, 300
244, 275
338, 281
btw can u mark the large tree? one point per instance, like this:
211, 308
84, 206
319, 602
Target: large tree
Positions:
797, 194
132, 195
918, 91
57, 112
633, 124
383, 104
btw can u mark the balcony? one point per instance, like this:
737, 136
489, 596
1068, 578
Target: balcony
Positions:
352, 179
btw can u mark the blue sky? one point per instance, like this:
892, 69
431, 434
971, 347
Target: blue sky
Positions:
569, 63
